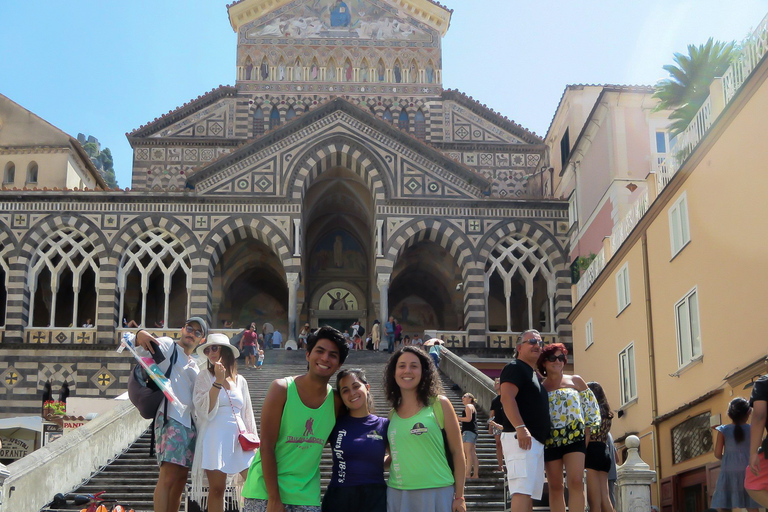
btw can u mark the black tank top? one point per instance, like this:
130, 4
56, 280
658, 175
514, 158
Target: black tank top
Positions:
469, 426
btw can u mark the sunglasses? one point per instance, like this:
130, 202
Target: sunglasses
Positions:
191, 330
554, 358
534, 341
212, 348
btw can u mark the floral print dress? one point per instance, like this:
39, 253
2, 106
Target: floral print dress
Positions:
571, 412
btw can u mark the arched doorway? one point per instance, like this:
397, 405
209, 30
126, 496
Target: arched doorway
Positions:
249, 285
338, 213
423, 293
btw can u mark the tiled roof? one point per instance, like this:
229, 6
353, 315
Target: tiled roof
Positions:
177, 114
606, 87
491, 115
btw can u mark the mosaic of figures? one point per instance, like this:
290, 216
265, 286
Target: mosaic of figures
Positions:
363, 20
339, 64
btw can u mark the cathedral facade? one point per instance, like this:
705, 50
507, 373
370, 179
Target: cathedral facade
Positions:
335, 181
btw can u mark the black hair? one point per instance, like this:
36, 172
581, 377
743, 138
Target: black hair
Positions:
329, 333
227, 358
738, 411
359, 374
429, 385
602, 400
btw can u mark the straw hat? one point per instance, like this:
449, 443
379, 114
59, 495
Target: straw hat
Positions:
217, 339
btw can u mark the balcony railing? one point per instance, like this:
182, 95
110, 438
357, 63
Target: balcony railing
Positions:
589, 275
60, 335
622, 230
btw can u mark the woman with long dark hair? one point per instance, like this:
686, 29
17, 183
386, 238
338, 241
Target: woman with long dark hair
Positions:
469, 435
732, 448
358, 444
222, 410
420, 477
598, 456
574, 412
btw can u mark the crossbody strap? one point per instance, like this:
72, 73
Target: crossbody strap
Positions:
233, 409
167, 374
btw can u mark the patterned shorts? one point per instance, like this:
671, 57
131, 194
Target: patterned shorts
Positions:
254, 505
174, 442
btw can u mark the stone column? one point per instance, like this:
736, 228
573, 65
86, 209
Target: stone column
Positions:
293, 293
382, 282
634, 480
297, 237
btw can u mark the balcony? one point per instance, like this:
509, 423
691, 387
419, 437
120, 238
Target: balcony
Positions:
60, 335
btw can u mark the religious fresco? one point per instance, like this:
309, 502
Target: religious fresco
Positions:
358, 19
415, 315
337, 251
338, 299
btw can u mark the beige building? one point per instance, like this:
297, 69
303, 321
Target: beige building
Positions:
34, 154
671, 322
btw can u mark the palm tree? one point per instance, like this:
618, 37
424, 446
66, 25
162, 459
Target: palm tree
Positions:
688, 87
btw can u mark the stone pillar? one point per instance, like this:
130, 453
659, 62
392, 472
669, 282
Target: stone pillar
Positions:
297, 237
634, 480
382, 282
293, 293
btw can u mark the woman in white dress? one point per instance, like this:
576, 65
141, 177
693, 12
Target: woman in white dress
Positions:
222, 410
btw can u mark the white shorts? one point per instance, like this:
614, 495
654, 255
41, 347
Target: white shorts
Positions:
525, 468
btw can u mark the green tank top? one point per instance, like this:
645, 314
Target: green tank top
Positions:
303, 433
418, 454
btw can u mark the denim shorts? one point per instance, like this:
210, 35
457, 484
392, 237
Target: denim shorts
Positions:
469, 437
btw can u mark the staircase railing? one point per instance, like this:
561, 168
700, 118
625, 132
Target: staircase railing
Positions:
469, 378
63, 465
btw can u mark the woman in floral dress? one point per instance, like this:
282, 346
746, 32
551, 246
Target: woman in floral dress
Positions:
574, 412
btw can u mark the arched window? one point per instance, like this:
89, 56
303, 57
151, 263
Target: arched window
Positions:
520, 284
420, 125
32, 172
387, 115
403, 122
274, 118
154, 280
258, 122
290, 114
9, 176
63, 274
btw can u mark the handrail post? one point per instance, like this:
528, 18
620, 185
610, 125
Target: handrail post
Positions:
634, 479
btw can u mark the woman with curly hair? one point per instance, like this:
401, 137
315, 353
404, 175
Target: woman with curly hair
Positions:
420, 477
573, 411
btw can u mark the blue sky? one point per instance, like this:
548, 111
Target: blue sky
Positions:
105, 68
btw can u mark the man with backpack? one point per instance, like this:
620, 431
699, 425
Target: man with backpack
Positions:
174, 431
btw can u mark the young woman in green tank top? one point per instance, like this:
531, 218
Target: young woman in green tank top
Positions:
420, 479
296, 419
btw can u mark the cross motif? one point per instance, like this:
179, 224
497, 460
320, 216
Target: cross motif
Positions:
82, 338
474, 225
201, 222
38, 337
19, 219
104, 379
499, 342
11, 378
453, 342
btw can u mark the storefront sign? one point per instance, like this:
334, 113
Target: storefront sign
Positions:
15, 448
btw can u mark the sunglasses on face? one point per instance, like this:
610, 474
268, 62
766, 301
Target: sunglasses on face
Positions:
212, 348
191, 330
534, 341
554, 358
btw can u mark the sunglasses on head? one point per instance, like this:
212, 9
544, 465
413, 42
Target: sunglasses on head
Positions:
191, 330
554, 358
212, 348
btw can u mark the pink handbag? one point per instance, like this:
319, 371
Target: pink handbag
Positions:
248, 440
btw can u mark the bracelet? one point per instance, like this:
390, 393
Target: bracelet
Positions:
216, 385
459, 498
520, 426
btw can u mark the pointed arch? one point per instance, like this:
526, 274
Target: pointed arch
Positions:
387, 115
381, 71
404, 121
339, 150
314, 70
413, 72
282, 70
264, 69
365, 70
420, 125
298, 70
274, 118
258, 122
290, 114
397, 72
330, 70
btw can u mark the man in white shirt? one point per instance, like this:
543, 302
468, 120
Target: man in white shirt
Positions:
417, 341
174, 431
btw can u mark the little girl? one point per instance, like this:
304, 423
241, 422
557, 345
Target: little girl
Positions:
734, 438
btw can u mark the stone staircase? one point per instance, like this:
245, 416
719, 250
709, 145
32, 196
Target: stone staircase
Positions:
130, 478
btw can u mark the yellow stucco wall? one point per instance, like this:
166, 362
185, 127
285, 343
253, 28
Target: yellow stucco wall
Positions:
725, 184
